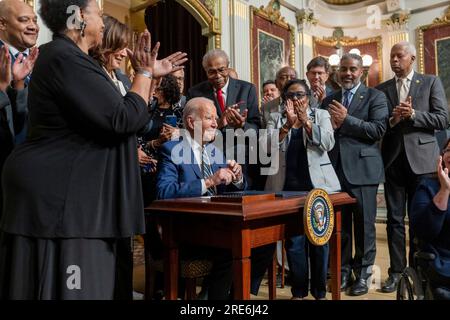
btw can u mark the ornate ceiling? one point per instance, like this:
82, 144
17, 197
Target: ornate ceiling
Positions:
342, 2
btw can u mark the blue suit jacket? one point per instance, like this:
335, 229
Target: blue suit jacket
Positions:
183, 180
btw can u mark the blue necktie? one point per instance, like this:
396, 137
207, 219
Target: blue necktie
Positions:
25, 55
347, 96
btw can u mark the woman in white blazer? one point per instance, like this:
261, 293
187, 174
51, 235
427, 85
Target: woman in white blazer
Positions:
299, 161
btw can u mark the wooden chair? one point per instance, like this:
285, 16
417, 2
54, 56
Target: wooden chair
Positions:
190, 271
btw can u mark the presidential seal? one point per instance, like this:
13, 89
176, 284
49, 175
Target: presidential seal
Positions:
318, 217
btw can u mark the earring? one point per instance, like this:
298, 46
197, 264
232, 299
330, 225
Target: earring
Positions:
83, 27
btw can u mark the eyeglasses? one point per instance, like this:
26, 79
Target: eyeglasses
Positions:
222, 71
298, 95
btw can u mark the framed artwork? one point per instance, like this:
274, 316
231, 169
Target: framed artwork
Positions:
371, 46
272, 45
434, 46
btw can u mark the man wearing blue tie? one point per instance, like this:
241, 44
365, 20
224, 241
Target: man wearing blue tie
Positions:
194, 167
19, 31
359, 117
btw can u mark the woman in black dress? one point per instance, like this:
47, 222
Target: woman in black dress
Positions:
72, 190
165, 106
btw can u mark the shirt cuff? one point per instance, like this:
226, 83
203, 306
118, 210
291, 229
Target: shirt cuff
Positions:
204, 189
391, 122
239, 184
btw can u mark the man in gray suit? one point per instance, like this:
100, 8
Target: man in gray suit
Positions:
359, 117
417, 108
282, 77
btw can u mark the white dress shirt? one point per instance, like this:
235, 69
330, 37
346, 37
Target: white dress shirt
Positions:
197, 150
407, 84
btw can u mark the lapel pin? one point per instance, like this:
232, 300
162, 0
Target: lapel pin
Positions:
361, 97
417, 81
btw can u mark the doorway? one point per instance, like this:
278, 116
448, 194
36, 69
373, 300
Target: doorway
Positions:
177, 30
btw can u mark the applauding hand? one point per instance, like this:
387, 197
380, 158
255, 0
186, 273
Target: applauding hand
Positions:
5, 68
23, 67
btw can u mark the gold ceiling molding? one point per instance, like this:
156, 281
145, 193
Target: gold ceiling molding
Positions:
205, 12
444, 20
272, 12
342, 2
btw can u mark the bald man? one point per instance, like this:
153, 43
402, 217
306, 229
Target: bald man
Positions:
417, 109
19, 32
282, 77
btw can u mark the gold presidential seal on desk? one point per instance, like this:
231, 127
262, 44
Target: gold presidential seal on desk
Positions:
318, 217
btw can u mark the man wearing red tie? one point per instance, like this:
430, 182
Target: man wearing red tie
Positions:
235, 100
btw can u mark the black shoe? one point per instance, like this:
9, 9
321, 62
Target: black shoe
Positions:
359, 287
346, 281
390, 285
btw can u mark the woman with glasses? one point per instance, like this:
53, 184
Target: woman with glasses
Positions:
430, 221
301, 164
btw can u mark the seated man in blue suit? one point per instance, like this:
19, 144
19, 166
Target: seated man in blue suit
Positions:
194, 167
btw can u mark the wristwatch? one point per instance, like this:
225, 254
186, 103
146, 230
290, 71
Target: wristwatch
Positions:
145, 73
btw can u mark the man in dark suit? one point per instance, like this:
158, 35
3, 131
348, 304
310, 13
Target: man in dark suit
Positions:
236, 106
318, 72
418, 108
226, 92
283, 75
359, 116
19, 31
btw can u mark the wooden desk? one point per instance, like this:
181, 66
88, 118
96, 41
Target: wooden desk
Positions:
238, 227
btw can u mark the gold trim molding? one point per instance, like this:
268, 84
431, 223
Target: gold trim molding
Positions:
348, 42
208, 15
443, 21
342, 2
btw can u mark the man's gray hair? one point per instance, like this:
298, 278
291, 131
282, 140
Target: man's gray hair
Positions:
353, 56
409, 47
213, 54
193, 107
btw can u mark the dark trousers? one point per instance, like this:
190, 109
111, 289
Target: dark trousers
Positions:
261, 258
359, 220
298, 251
399, 189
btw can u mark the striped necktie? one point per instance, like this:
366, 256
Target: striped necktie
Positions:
25, 56
207, 171
347, 97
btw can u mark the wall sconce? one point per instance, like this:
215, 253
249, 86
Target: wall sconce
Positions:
334, 60
367, 63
